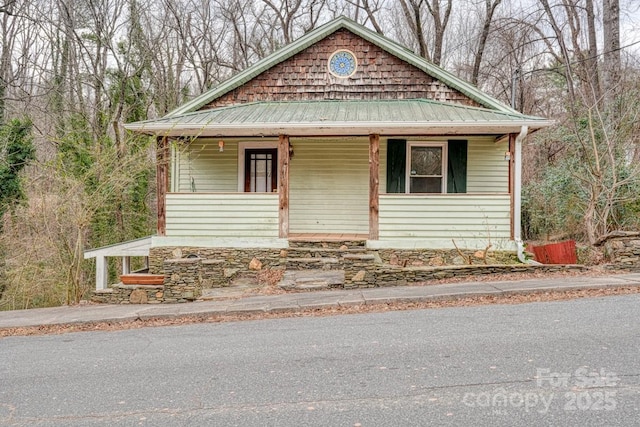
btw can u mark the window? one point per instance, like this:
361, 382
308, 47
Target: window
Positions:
260, 170
426, 167
427, 170
258, 166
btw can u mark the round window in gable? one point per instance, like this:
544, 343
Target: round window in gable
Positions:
342, 63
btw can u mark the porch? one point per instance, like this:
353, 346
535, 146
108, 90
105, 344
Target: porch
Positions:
125, 250
245, 220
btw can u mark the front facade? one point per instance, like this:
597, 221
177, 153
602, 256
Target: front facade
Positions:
341, 135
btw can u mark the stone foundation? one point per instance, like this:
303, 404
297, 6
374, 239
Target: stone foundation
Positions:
442, 257
359, 276
232, 258
130, 294
189, 270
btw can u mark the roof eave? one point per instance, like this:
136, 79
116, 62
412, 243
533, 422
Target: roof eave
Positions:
337, 128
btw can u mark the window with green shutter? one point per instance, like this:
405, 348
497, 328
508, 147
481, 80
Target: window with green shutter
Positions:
396, 160
433, 167
457, 166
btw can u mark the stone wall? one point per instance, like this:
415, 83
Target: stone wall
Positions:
441, 257
182, 279
189, 270
361, 275
232, 258
623, 252
130, 294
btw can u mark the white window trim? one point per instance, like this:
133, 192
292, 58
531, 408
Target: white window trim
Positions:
445, 158
242, 147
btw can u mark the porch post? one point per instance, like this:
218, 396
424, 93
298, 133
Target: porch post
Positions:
374, 186
102, 272
283, 186
162, 182
126, 265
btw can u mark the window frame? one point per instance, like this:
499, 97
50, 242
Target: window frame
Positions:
445, 156
242, 147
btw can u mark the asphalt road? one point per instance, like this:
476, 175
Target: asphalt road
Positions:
559, 363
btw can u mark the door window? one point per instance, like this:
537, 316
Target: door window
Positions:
260, 170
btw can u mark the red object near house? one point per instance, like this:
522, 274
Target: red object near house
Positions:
557, 253
142, 279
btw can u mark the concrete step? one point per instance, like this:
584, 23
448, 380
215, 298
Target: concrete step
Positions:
313, 263
311, 280
313, 252
326, 243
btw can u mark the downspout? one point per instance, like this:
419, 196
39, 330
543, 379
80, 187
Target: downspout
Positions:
517, 194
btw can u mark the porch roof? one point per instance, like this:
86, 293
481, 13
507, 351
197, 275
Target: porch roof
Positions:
137, 247
317, 118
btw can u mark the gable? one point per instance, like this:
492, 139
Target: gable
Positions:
379, 75
318, 34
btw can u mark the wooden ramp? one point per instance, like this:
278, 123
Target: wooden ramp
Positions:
126, 250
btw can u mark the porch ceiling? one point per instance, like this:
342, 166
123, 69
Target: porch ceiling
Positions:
318, 118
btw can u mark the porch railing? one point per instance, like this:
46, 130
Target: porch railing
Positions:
235, 215
465, 217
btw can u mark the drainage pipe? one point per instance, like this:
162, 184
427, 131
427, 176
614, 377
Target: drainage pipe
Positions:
517, 193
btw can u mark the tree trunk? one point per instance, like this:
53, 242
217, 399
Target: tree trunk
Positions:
611, 48
486, 27
592, 60
440, 24
413, 17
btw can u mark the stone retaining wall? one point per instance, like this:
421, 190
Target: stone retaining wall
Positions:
189, 270
441, 257
130, 294
624, 252
358, 275
233, 258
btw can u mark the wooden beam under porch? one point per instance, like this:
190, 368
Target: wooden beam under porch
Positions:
326, 237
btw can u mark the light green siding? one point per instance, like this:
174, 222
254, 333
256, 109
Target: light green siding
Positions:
222, 215
200, 166
487, 170
329, 186
383, 167
329, 193
465, 218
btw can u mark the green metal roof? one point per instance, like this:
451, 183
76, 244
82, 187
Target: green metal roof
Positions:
320, 33
304, 118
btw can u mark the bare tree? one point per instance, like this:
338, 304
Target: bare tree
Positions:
440, 22
286, 13
371, 8
611, 46
490, 8
413, 15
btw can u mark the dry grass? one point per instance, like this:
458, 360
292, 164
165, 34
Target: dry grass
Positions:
268, 280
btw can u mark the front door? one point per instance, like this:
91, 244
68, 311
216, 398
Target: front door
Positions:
261, 170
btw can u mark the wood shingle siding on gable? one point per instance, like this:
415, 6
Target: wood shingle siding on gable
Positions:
305, 76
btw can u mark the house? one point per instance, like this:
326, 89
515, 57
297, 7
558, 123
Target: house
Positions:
342, 135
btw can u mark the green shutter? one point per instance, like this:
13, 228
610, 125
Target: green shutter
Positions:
396, 165
457, 167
